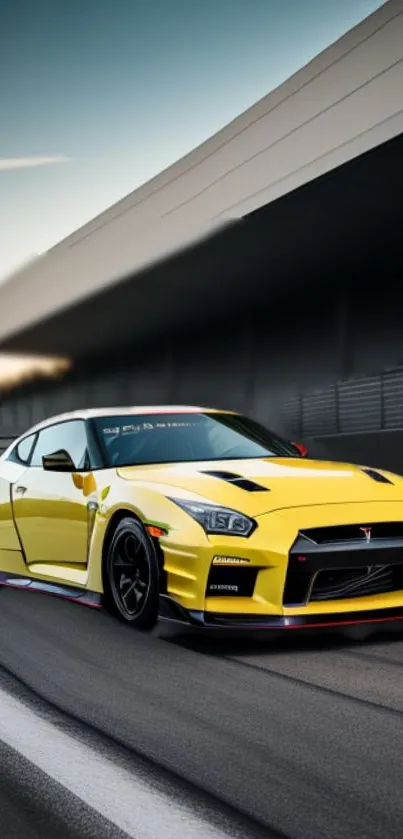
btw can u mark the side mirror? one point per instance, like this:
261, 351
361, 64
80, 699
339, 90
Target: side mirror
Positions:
300, 448
59, 461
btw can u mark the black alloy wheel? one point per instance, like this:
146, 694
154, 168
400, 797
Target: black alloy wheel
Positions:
131, 575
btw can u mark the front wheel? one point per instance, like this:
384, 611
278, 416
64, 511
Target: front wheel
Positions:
131, 575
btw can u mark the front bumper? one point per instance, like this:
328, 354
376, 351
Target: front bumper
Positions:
284, 583
226, 623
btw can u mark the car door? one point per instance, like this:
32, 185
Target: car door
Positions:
51, 507
13, 464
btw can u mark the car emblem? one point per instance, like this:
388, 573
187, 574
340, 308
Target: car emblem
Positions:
367, 533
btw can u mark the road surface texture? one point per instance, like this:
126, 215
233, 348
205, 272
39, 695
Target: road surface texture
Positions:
303, 737
33, 806
61, 779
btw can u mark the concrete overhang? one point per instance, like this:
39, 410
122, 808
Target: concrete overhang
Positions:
345, 102
345, 223
290, 176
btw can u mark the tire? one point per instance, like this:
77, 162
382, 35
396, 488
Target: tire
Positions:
131, 575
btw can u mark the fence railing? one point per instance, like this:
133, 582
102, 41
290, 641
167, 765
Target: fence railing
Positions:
374, 403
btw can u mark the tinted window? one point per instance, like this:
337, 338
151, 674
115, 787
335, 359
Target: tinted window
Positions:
70, 436
165, 438
22, 452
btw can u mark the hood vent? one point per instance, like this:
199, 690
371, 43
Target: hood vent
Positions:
377, 476
237, 480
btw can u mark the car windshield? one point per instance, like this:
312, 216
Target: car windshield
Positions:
173, 438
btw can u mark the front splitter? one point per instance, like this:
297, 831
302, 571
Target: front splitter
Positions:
211, 620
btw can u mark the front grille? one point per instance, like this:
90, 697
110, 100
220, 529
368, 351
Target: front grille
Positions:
341, 584
352, 532
342, 562
231, 582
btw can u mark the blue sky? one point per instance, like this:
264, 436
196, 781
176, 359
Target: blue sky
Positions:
116, 90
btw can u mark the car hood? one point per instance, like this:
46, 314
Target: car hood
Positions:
259, 486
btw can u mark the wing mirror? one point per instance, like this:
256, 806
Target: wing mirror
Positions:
59, 461
300, 448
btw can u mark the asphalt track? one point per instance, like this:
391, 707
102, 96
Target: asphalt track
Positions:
304, 737
32, 806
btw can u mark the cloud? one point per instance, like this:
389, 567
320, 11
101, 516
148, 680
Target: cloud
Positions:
8, 163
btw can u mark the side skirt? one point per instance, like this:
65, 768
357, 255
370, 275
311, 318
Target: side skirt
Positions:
77, 595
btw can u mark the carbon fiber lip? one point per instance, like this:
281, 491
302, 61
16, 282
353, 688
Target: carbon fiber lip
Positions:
211, 620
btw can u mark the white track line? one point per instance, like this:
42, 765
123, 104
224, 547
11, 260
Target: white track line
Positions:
127, 801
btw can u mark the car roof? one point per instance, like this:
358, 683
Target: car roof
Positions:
93, 413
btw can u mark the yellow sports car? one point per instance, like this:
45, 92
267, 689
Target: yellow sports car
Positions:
199, 517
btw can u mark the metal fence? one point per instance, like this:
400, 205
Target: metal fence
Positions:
361, 405
374, 403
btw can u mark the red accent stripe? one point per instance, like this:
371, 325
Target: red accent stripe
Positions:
311, 625
150, 411
346, 623
53, 594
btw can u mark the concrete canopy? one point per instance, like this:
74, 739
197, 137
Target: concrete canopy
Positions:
271, 198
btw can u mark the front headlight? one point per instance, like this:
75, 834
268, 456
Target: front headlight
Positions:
218, 520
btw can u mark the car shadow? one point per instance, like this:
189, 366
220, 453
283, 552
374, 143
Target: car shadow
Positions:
291, 643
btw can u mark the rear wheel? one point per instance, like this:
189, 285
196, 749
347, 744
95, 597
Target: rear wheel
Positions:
131, 575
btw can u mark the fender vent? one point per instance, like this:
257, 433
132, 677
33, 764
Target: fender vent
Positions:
237, 480
377, 476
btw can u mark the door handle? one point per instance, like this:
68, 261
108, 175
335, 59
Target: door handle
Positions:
20, 490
